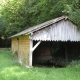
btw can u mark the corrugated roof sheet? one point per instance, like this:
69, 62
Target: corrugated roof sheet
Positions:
64, 30
40, 26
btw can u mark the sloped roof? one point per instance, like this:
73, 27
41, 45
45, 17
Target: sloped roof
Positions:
63, 30
40, 26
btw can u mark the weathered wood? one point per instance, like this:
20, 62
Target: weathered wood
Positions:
40, 26
37, 44
18, 52
61, 31
31, 53
42, 53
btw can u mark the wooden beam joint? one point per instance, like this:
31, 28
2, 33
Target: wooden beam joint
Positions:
37, 44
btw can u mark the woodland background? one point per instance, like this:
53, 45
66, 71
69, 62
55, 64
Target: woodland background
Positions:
18, 15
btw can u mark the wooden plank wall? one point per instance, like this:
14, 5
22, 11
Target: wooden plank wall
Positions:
42, 52
14, 45
22, 46
60, 31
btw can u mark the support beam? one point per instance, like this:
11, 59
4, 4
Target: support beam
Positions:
31, 53
36, 46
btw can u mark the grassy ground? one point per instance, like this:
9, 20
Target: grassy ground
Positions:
11, 70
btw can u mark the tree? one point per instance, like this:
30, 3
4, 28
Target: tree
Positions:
75, 12
22, 14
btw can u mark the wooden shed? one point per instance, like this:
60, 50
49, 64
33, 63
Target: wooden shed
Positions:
34, 44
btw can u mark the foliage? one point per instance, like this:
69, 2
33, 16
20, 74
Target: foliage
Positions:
17, 15
11, 17
4, 42
21, 14
2, 28
75, 12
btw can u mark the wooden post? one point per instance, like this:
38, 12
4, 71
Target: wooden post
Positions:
19, 56
31, 53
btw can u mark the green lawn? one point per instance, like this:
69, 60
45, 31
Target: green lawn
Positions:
11, 70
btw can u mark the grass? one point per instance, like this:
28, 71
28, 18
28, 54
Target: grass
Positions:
10, 69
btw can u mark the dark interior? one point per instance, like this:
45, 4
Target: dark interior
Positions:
58, 54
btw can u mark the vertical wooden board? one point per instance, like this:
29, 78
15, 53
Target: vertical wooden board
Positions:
42, 53
14, 45
31, 53
61, 31
24, 50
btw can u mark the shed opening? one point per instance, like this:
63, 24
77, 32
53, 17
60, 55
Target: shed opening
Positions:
57, 54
